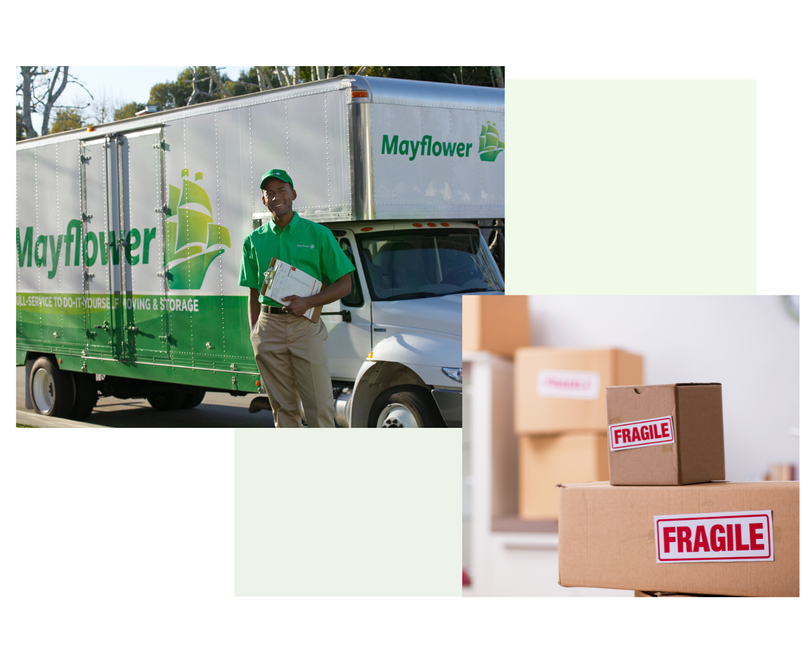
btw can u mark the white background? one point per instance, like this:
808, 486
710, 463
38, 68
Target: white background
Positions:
119, 546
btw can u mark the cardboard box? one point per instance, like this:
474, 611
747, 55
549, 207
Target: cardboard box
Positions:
559, 390
673, 539
670, 434
547, 460
659, 594
495, 323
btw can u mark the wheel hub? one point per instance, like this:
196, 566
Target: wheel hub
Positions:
43, 391
397, 416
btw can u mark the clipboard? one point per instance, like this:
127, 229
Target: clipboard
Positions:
282, 280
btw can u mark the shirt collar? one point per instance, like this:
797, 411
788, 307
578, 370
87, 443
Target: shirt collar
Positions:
290, 226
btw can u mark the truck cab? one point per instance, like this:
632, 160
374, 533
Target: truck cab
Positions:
395, 341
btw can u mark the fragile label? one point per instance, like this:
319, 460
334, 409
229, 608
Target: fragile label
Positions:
578, 384
635, 434
736, 536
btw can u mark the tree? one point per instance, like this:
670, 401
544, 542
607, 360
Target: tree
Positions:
20, 132
67, 119
255, 79
39, 89
128, 110
193, 85
172, 94
103, 108
482, 76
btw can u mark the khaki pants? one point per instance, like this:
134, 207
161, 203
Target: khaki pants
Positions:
291, 356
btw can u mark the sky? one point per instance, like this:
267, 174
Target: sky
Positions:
127, 83
121, 84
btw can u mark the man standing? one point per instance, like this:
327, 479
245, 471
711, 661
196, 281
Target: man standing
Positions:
290, 349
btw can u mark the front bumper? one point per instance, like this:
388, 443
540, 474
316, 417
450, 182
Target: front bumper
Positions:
449, 403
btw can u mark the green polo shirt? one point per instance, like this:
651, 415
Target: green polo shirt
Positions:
305, 245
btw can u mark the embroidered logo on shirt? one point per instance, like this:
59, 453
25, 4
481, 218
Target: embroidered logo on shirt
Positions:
305, 246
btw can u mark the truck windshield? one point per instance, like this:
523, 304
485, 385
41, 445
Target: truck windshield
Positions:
433, 263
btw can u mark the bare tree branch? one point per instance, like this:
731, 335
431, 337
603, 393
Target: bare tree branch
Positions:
212, 71
62, 84
264, 79
283, 76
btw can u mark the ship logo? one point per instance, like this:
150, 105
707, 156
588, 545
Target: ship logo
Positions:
193, 240
489, 143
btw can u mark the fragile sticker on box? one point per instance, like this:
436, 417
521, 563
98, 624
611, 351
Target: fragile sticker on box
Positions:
579, 384
719, 537
635, 434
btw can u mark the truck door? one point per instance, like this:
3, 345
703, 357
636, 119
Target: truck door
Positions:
348, 321
134, 242
96, 256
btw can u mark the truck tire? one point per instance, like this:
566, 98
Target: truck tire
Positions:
168, 400
86, 395
52, 391
192, 399
404, 407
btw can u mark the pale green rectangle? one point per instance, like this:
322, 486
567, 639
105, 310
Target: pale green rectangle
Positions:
347, 513
631, 187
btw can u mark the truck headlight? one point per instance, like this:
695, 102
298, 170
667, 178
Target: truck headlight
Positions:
453, 373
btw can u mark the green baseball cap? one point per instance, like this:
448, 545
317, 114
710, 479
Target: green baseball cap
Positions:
278, 174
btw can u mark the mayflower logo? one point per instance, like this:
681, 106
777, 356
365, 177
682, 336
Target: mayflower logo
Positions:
193, 240
489, 143
305, 246
489, 146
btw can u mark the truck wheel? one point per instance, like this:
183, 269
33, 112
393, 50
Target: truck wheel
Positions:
86, 395
52, 391
192, 399
404, 407
172, 398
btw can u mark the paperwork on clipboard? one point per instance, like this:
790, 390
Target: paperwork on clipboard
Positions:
283, 280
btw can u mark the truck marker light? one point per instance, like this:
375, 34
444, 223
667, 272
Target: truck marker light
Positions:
431, 225
366, 229
634, 434
359, 93
730, 536
417, 225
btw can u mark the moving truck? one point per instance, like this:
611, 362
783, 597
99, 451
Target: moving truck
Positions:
129, 241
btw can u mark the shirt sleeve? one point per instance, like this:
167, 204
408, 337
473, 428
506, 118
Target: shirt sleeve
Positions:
333, 260
249, 272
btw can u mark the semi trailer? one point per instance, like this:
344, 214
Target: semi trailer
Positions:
129, 240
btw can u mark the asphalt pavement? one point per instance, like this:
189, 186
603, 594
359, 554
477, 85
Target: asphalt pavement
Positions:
217, 410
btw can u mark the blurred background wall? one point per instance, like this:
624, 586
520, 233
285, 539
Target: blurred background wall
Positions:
750, 344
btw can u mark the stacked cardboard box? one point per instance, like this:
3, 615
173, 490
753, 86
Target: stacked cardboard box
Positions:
560, 419
670, 434
663, 524
493, 323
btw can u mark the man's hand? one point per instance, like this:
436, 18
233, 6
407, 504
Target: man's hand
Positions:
296, 305
337, 290
299, 305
